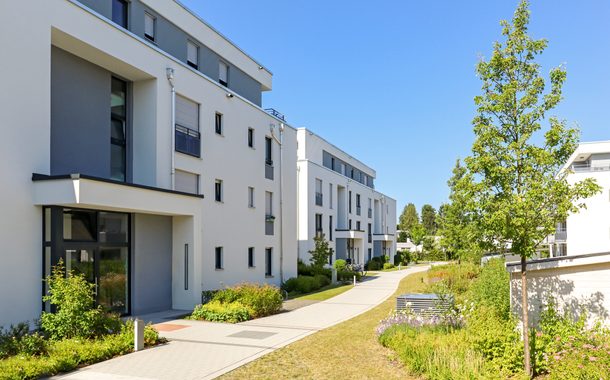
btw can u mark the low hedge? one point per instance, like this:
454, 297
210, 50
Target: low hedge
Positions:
239, 303
68, 354
306, 284
373, 264
388, 266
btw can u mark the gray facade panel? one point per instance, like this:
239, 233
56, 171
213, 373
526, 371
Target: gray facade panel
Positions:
377, 251
341, 249
103, 7
152, 264
80, 116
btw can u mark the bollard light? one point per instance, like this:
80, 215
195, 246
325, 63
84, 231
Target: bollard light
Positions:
138, 335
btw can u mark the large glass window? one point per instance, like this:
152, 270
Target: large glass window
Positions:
118, 135
119, 12
80, 225
188, 138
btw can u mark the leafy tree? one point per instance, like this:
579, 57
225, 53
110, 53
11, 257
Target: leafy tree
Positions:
457, 224
408, 218
428, 219
402, 237
517, 186
321, 252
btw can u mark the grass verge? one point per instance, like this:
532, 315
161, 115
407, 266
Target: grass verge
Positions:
349, 350
325, 292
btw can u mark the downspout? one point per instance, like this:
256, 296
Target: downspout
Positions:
280, 143
170, 78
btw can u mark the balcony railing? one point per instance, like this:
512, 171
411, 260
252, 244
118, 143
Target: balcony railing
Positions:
188, 141
319, 198
587, 167
358, 210
276, 113
370, 212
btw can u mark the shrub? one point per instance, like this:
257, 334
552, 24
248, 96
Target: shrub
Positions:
261, 300
75, 312
18, 340
492, 288
216, 311
374, 264
322, 280
340, 265
455, 279
348, 276
304, 269
388, 266
290, 285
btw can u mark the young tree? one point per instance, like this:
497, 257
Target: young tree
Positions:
428, 219
457, 224
321, 252
408, 218
518, 188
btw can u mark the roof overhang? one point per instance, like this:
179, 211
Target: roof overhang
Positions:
383, 237
77, 190
349, 234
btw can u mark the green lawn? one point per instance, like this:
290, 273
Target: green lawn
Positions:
349, 350
325, 292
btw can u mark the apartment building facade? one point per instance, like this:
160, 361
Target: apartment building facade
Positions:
136, 151
337, 198
587, 231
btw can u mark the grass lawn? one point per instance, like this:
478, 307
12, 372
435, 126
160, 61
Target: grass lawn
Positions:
348, 350
325, 292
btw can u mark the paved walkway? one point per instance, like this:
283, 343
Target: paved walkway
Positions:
204, 350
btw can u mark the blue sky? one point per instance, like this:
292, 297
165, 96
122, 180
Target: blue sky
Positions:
392, 82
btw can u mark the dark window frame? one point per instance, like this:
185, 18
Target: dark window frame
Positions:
251, 137
123, 119
194, 65
268, 262
124, 4
218, 258
268, 151
154, 20
251, 263
218, 123
218, 190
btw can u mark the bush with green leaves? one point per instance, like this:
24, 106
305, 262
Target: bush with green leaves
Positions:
305, 284
373, 264
387, 266
261, 299
320, 254
75, 315
348, 276
340, 265
216, 311
18, 340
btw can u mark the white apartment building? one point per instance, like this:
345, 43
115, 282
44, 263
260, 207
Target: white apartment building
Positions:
135, 149
587, 231
337, 198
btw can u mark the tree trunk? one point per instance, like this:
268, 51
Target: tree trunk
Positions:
525, 317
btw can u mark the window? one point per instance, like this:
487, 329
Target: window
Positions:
349, 224
370, 229
218, 258
349, 201
330, 195
370, 254
250, 257
370, 208
188, 138
332, 163
318, 224
268, 151
358, 225
251, 197
269, 218
330, 228
223, 73
186, 182
268, 262
358, 204
251, 137
119, 12
218, 123
218, 190
118, 133
192, 55
149, 26
318, 194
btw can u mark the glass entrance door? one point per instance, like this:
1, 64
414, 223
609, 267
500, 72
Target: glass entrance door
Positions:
112, 279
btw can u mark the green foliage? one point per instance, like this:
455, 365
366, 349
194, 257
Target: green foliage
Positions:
434, 354
260, 299
453, 279
418, 232
340, 264
373, 264
311, 270
388, 266
18, 340
428, 219
76, 315
402, 237
306, 284
321, 253
216, 311
348, 276
407, 219
492, 288
66, 355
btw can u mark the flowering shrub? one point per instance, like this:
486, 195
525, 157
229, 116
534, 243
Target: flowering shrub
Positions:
451, 320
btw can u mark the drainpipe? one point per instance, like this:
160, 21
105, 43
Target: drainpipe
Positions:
170, 78
280, 143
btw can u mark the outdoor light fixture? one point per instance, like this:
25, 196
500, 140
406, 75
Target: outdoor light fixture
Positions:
229, 95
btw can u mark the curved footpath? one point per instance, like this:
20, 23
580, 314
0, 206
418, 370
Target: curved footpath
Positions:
204, 350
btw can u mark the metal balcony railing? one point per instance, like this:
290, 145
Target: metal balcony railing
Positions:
587, 167
269, 171
276, 113
188, 141
319, 198
358, 210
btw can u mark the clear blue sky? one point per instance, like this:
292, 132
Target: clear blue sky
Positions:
392, 82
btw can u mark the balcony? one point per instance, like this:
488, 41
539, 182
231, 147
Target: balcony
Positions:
349, 234
188, 141
383, 237
269, 170
276, 113
319, 198
584, 167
